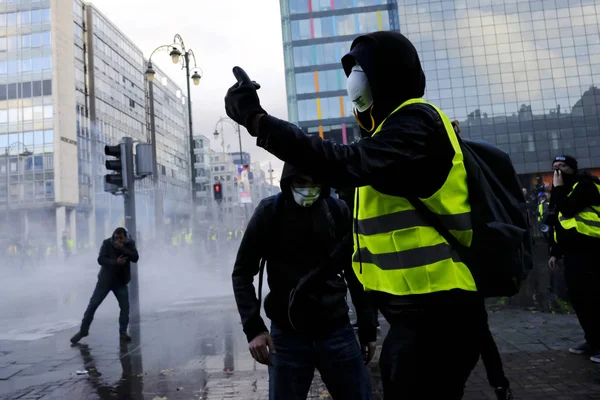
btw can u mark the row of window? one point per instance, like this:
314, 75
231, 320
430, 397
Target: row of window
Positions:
27, 17
304, 6
321, 81
125, 47
324, 108
339, 25
30, 190
35, 64
319, 54
26, 41
29, 139
26, 114
25, 90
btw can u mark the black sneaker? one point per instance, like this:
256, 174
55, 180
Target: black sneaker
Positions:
124, 337
504, 394
583, 348
78, 336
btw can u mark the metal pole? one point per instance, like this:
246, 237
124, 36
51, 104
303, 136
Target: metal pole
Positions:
193, 170
6, 153
158, 207
242, 160
130, 225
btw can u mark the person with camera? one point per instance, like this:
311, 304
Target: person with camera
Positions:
115, 258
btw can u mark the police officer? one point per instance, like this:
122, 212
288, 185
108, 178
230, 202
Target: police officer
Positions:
409, 150
575, 205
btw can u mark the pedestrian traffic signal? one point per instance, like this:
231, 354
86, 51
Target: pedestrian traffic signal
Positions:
218, 192
118, 179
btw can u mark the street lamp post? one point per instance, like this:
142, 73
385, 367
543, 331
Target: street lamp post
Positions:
177, 49
7, 150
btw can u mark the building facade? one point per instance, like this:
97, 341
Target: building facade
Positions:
521, 75
70, 83
203, 184
316, 34
223, 170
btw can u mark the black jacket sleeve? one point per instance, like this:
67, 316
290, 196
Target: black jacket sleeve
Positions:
130, 251
399, 156
245, 269
104, 257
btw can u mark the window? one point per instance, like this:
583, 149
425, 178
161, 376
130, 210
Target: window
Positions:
49, 188
36, 16
301, 29
298, 6
47, 62
36, 39
46, 38
48, 111
46, 15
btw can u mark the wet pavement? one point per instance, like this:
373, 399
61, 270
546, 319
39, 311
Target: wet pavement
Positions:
195, 349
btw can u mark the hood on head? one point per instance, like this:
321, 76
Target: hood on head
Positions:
393, 69
288, 174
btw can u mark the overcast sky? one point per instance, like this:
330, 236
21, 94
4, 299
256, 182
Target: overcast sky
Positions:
222, 33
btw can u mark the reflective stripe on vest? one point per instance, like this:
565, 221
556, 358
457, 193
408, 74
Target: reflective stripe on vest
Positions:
541, 212
400, 252
586, 222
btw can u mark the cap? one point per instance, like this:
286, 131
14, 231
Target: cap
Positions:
568, 160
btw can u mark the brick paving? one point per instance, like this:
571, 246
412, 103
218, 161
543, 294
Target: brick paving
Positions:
199, 354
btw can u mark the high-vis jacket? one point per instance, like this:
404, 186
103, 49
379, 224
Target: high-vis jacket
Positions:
586, 222
397, 251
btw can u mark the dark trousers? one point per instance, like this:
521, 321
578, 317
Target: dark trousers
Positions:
103, 287
430, 351
582, 276
337, 357
491, 358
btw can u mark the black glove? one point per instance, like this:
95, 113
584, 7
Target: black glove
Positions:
241, 101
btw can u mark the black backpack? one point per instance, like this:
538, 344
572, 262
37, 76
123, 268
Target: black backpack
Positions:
501, 252
305, 296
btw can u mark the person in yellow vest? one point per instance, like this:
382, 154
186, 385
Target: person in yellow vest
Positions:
189, 238
409, 150
575, 211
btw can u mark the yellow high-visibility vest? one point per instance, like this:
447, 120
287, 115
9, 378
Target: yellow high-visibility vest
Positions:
71, 244
586, 222
397, 251
188, 239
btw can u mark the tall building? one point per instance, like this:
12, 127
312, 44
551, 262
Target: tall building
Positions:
316, 34
241, 158
203, 182
521, 75
71, 82
230, 210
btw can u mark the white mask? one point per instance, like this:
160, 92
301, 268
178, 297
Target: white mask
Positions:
359, 89
306, 196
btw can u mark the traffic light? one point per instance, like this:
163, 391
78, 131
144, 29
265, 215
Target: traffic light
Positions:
218, 192
118, 179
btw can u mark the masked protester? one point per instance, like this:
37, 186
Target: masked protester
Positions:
575, 217
304, 235
115, 258
409, 150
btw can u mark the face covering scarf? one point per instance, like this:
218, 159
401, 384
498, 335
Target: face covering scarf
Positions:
306, 196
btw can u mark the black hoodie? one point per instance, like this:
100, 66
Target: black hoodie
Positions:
294, 240
585, 195
410, 156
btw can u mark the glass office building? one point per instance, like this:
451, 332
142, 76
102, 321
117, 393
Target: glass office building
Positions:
71, 82
316, 34
523, 75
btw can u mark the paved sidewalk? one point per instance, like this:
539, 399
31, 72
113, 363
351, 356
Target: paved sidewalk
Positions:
196, 350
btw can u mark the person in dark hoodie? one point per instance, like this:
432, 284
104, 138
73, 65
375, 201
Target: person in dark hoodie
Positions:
409, 152
298, 233
115, 258
574, 214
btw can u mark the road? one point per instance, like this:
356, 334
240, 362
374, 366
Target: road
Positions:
189, 343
